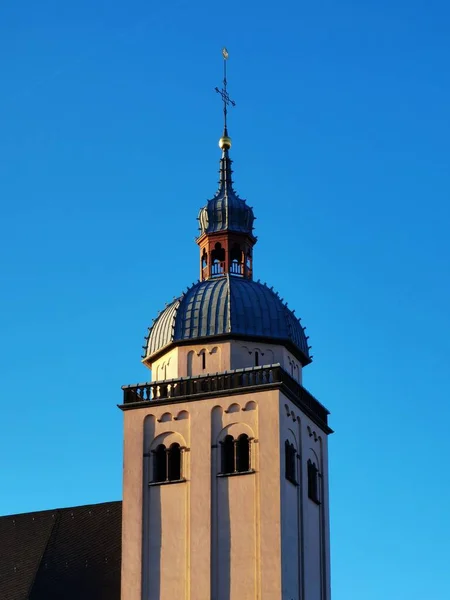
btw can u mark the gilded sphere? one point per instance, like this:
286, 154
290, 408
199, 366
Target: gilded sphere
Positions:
225, 143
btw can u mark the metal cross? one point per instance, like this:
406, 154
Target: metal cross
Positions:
223, 92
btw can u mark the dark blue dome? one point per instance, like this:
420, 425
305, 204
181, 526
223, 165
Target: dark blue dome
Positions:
231, 306
226, 211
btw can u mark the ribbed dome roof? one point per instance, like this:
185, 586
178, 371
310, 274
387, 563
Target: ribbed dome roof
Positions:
226, 211
227, 305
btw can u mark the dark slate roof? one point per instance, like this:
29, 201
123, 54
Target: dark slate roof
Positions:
228, 305
62, 554
226, 211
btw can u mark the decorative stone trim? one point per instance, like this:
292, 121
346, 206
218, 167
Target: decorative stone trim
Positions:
227, 383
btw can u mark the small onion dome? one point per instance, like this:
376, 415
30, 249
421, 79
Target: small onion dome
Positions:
229, 307
226, 211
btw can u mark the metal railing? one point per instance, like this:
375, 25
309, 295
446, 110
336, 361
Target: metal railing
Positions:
218, 383
217, 268
236, 268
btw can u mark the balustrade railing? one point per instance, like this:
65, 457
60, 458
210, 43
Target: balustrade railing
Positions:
236, 268
186, 387
217, 268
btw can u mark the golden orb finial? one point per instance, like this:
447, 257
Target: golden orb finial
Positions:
225, 142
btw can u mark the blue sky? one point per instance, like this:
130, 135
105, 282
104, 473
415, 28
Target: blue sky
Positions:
108, 147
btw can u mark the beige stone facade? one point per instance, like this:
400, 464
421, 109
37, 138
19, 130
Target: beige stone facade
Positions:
198, 359
208, 536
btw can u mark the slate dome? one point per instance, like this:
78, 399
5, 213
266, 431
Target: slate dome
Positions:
226, 211
228, 306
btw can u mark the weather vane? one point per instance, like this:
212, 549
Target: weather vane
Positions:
223, 92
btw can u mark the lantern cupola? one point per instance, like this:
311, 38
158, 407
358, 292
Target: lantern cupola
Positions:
226, 237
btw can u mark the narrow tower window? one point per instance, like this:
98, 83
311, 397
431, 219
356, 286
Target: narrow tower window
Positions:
236, 260
203, 355
313, 482
256, 358
204, 265
160, 464
242, 453
217, 260
228, 455
174, 462
290, 461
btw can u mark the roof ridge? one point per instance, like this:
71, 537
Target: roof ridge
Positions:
229, 302
57, 509
176, 305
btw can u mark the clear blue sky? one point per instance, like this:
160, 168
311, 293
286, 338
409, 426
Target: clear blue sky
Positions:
108, 147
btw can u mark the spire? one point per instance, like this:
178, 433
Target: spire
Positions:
225, 179
226, 235
225, 140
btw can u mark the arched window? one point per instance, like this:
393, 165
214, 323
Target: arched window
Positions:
217, 260
204, 259
174, 462
248, 262
313, 482
290, 461
203, 359
159, 464
256, 358
236, 260
228, 455
167, 463
242, 453
236, 454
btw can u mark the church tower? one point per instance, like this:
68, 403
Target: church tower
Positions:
225, 490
